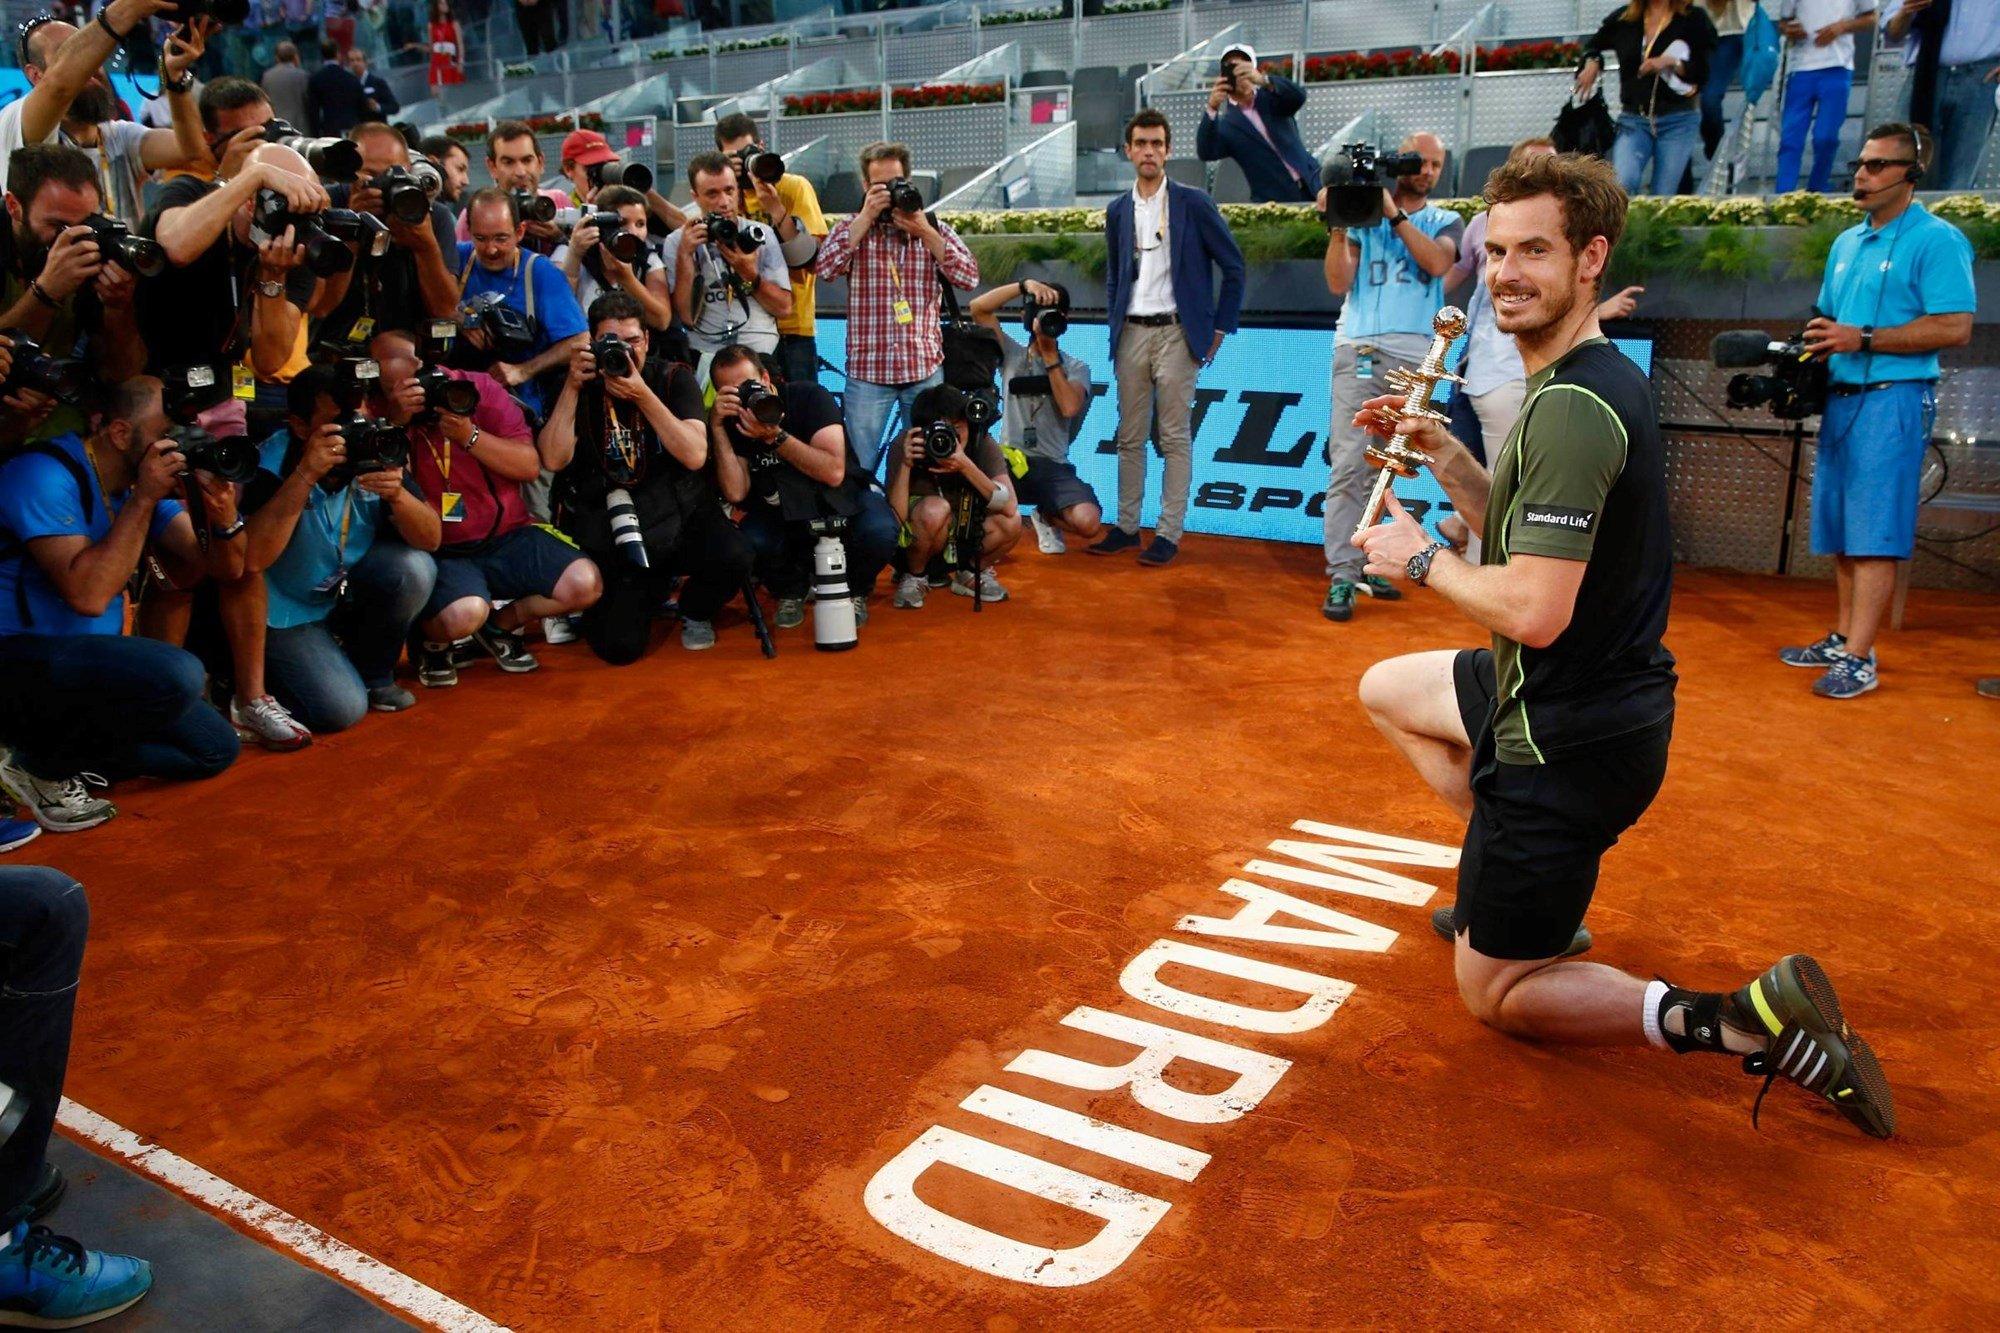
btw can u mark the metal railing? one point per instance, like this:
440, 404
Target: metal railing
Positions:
1041, 175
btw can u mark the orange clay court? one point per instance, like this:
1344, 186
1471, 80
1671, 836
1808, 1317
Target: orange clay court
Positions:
596, 1000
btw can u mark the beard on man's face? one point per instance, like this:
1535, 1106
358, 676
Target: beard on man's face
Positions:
95, 105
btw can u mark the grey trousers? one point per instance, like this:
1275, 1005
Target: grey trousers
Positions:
1154, 362
1347, 444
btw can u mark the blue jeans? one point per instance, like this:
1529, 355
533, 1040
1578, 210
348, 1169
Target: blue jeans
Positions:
1723, 62
44, 918
323, 681
1965, 114
867, 409
1666, 143
1815, 99
785, 549
107, 704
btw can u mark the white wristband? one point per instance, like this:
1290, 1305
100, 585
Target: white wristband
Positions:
1001, 495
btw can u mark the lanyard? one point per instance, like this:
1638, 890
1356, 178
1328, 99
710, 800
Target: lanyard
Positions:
97, 477
442, 457
346, 520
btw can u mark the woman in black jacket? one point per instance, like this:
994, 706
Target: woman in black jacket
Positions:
1663, 47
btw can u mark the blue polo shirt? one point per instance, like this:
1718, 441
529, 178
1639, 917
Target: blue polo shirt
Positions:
535, 287
1885, 276
1391, 294
39, 497
297, 579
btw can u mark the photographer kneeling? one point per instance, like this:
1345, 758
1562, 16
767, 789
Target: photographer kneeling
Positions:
627, 440
940, 481
781, 453
473, 466
343, 592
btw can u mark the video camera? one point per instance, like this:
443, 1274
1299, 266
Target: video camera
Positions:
754, 163
636, 175
117, 244
1355, 180
324, 234
533, 206
331, 159
905, 197
734, 233
628, 246
408, 192
57, 376
613, 354
1794, 389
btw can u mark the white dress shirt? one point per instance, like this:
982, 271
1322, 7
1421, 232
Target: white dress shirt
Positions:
1153, 293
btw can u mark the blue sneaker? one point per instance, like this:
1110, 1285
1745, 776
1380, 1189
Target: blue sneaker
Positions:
50, 1281
1846, 677
1819, 654
18, 833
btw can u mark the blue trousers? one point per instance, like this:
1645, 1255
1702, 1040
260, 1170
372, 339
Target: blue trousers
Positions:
1723, 62
1965, 115
1815, 100
323, 681
44, 917
108, 704
1664, 143
868, 407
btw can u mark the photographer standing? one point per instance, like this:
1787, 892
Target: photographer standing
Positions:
629, 430
594, 269
728, 276
942, 484
895, 337
788, 473
1253, 117
473, 467
1391, 278
1898, 288
68, 71
408, 284
790, 207
494, 263
1048, 391
78, 517
514, 160
344, 557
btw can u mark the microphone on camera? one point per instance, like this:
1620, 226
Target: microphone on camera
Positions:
1742, 347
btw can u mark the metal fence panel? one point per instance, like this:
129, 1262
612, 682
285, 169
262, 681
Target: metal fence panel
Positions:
860, 54
1520, 19
909, 56
846, 135
1042, 175
952, 136
1050, 44
738, 70
1184, 112
589, 84
1402, 106
1273, 28
1131, 39
1510, 105
1360, 25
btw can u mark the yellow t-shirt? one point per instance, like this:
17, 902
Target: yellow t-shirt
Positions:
802, 203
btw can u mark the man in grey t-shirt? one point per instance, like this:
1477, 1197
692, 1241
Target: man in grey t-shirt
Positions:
725, 294
1048, 392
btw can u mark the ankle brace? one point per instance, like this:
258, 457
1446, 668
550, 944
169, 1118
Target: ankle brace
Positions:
1701, 1025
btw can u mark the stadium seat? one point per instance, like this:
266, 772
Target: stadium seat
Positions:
1044, 78
1188, 171
954, 177
1478, 165
842, 194
1098, 78
1230, 187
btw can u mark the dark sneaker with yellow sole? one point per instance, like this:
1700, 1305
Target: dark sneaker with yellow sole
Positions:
1812, 1046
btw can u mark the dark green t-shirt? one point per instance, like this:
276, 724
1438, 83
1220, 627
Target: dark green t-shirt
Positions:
1583, 477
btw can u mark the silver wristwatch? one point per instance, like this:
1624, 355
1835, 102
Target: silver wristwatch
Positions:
1419, 567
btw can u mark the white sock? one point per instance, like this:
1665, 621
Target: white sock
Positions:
1649, 1016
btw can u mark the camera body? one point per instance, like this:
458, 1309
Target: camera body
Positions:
628, 246
510, 335
372, 446
1355, 179
757, 164
733, 233
443, 393
331, 159
1795, 387
905, 197
324, 235
233, 459
760, 402
940, 442
1051, 321
57, 376
134, 254
637, 175
614, 355
533, 206
408, 192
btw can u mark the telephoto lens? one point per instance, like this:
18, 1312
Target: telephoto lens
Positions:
614, 356
625, 531
134, 254
332, 159
1046, 320
635, 175
833, 606
940, 443
982, 408
534, 207
760, 402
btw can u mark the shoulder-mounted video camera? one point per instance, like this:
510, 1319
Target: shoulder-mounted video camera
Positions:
1355, 179
1794, 388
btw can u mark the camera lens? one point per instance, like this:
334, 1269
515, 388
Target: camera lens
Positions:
940, 441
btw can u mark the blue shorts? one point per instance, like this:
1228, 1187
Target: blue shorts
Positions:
526, 562
1867, 470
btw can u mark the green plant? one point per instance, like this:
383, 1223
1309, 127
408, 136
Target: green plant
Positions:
1814, 243
1728, 251
1651, 247
1984, 233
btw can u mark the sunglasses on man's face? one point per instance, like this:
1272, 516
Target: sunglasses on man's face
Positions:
1874, 165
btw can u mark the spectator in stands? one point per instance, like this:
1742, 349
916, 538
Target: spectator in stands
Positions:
1953, 54
937, 503
791, 207
514, 161
474, 468
345, 559
285, 84
337, 22
335, 95
78, 696
1821, 64
1048, 391
46, 1280
302, 21
592, 269
380, 100
787, 474
494, 261
725, 294
455, 165
69, 70
895, 347
1663, 48
124, 151
1730, 18
537, 21
645, 433
1167, 243
447, 47
1391, 278
1253, 117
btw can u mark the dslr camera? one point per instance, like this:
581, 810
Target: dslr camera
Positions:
757, 164
372, 446
134, 254
510, 335
613, 354
408, 192
628, 246
1049, 320
1355, 179
331, 159
324, 234
758, 400
1794, 387
940, 442
442, 393
533, 206
733, 233
233, 459
57, 376
905, 197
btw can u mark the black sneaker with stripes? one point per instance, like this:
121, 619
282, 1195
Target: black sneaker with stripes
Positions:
1812, 1045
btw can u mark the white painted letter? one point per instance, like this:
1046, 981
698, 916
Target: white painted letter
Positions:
1141, 981
1082, 1131
1254, 922
892, 1200
1256, 1072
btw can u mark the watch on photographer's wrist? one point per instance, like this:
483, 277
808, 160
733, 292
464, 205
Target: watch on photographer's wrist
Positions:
1418, 570
184, 82
1402, 216
224, 534
269, 289
1867, 337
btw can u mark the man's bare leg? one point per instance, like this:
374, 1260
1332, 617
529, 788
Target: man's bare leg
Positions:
1413, 701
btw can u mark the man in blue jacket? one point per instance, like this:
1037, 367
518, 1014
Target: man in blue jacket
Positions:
1166, 242
1252, 117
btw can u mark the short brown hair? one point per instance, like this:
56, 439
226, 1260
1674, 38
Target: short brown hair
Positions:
734, 126
1532, 141
1150, 118
1593, 203
1920, 143
493, 194
509, 129
883, 152
710, 164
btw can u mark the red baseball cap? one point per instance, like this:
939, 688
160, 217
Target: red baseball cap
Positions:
586, 148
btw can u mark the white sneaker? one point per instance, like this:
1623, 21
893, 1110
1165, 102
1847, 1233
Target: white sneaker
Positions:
990, 589
860, 611
556, 631
910, 590
265, 721
1047, 535
60, 807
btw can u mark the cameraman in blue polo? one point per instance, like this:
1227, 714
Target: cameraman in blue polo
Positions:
1898, 288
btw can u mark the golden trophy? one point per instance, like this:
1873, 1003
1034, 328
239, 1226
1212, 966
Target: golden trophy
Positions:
1396, 457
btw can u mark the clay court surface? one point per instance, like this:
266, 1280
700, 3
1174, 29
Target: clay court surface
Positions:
594, 999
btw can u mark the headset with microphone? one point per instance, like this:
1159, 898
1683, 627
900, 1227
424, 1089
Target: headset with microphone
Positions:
1913, 173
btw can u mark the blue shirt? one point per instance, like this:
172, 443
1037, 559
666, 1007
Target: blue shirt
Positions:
536, 288
1881, 277
1971, 35
1391, 294
298, 581
39, 498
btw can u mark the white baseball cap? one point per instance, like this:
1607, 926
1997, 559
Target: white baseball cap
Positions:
1244, 49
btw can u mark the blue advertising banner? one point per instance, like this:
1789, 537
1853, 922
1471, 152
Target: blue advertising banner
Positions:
14, 85
1260, 422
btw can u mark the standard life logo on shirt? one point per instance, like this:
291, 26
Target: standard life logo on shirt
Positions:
1558, 516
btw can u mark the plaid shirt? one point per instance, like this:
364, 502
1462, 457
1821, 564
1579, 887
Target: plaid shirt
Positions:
886, 266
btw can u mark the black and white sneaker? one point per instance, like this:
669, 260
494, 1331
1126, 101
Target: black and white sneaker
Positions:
507, 649
435, 668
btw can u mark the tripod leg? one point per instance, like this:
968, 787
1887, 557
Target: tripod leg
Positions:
757, 621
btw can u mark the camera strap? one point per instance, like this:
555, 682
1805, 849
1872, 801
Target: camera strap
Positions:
520, 257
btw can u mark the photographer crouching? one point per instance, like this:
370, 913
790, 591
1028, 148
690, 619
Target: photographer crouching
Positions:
340, 531
948, 487
781, 453
627, 438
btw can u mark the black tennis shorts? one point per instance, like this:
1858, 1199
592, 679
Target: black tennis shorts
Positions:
1529, 865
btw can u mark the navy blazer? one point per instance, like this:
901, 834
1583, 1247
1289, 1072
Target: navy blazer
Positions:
1229, 133
1199, 243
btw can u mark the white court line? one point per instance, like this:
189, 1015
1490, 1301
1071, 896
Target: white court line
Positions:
350, 1265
